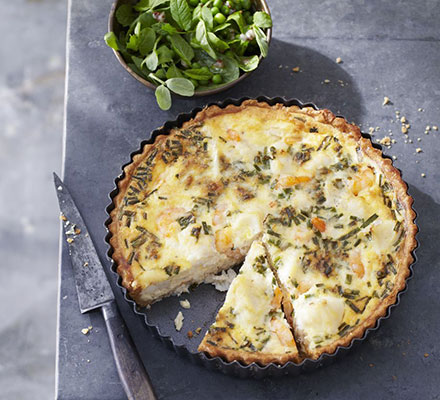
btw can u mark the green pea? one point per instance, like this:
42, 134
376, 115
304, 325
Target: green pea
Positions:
203, 83
225, 10
218, 3
196, 65
194, 3
215, 10
194, 82
217, 79
246, 4
219, 18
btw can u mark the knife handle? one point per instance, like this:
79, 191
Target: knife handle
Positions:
134, 377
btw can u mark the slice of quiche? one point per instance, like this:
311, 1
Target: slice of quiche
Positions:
251, 326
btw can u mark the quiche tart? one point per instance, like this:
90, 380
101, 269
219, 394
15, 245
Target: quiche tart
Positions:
322, 222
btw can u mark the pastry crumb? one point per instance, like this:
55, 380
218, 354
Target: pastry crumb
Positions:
338, 60
178, 321
326, 80
426, 355
420, 109
371, 365
185, 304
60, 188
296, 69
404, 129
385, 141
69, 240
418, 150
62, 217
386, 100
189, 334
85, 331
403, 120
198, 330
435, 127
423, 175
223, 281
86, 264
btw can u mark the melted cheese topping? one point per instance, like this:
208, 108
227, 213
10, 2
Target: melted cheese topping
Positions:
330, 220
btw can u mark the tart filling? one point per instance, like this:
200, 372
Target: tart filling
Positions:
331, 214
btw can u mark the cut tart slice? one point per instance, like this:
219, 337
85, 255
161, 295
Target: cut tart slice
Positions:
250, 325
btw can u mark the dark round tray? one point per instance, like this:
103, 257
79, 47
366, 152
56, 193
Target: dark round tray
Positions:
205, 300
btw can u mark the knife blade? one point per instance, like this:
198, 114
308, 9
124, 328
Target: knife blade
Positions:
94, 291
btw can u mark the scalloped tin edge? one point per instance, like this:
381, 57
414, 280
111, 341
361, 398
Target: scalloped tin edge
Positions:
236, 368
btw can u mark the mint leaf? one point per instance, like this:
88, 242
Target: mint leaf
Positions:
142, 5
125, 15
219, 28
181, 86
182, 48
156, 3
151, 61
261, 40
111, 40
198, 74
168, 28
202, 38
248, 64
147, 38
218, 44
173, 72
163, 97
230, 70
164, 54
181, 13
133, 43
239, 20
207, 17
262, 19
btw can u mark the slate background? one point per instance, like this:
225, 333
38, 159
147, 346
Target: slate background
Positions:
388, 49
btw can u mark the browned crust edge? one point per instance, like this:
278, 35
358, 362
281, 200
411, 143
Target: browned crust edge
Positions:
323, 116
247, 357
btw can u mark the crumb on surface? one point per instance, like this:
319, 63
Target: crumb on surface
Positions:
371, 365
198, 330
386, 100
338, 60
69, 240
178, 321
326, 80
418, 150
426, 355
423, 175
385, 141
85, 331
185, 304
296, 69
189, 334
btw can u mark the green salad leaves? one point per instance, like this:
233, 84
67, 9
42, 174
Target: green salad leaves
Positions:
183, 46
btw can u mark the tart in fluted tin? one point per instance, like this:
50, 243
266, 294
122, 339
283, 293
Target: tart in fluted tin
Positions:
322, 221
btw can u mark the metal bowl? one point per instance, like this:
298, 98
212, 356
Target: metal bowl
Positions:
114, 26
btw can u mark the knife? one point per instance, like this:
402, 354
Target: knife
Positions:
94, 292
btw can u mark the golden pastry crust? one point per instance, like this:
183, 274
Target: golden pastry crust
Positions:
404, 255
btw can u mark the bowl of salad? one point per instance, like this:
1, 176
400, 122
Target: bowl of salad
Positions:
189, 47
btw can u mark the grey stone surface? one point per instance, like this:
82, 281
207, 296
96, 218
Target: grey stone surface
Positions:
388, 49
31, 114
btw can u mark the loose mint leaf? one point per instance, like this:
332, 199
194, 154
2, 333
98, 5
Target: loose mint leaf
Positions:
197, 13
217, 43
220, 27
147, 38
181, 13
163, 97
198, 74
111, 40
173, 72
182, 48
151, 61
125, 15
248, 64
207, 17
133, 43
146, 20
261, 40
202, 38
239, 20
164, 54
181, 86
262, 19
168, 28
